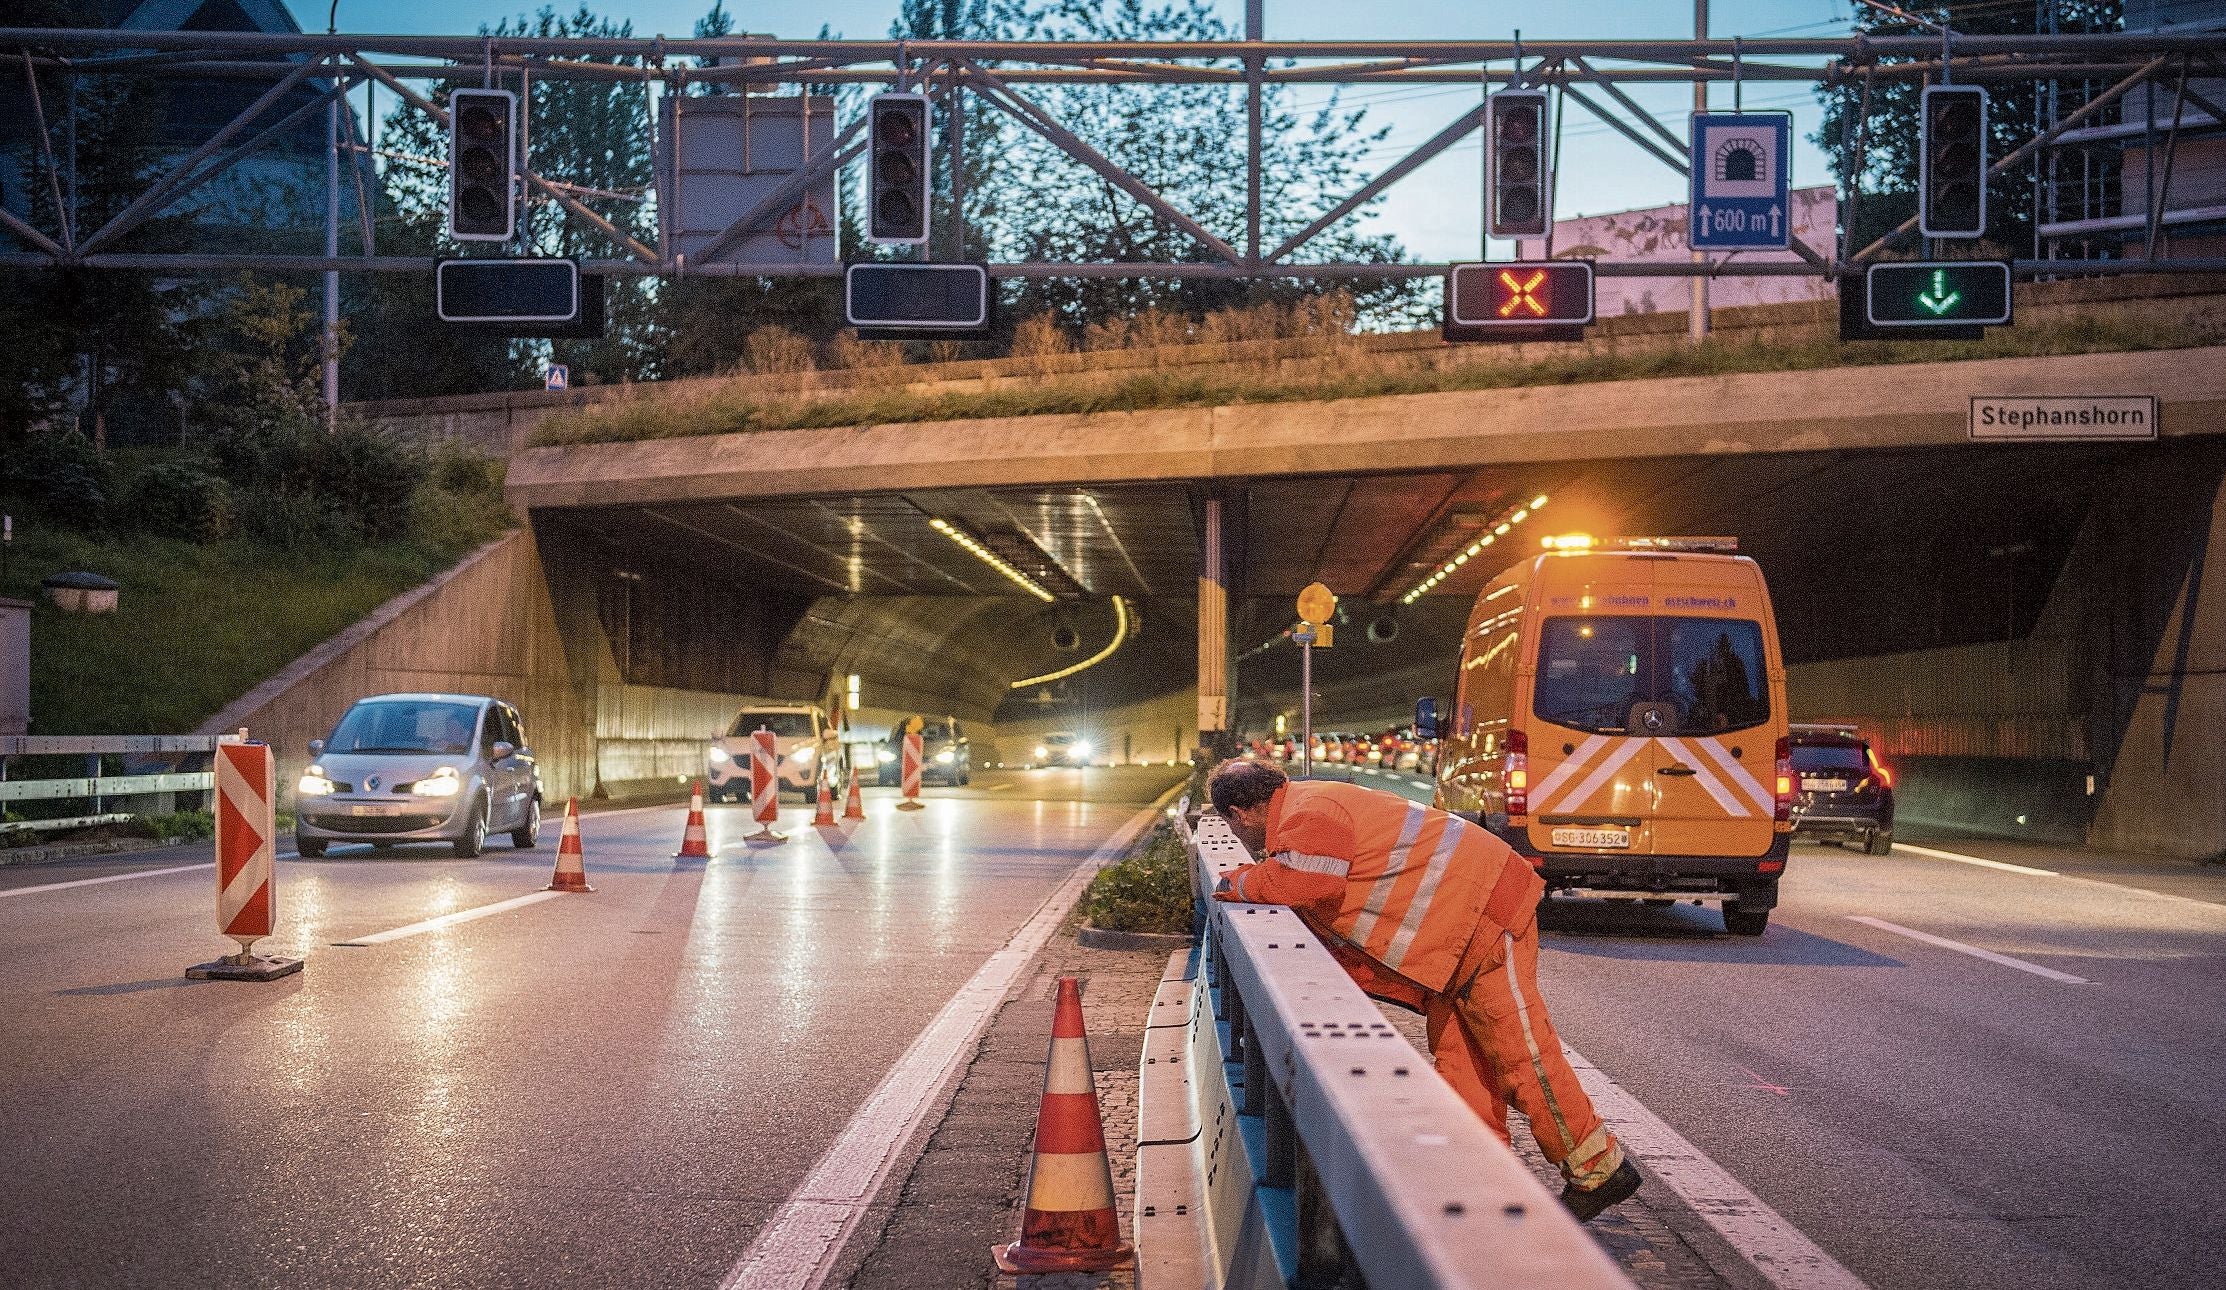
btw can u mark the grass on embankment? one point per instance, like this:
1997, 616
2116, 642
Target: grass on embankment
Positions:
198, 625
1344, 372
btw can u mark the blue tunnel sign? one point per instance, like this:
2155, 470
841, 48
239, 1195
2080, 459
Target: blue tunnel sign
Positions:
1740, 198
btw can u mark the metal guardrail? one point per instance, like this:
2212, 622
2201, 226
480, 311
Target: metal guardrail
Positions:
94, 786
1369, 1168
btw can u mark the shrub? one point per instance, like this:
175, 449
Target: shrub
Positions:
775, 349
61, 469
371, 476
848, 351
1148, 891
186, 825
180, 499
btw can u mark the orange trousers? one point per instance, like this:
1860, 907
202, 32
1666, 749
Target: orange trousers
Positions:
1491, 1039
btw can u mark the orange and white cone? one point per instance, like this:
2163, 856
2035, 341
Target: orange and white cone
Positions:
853, 806
1071, 1224
826, 812
571, 866
695, 844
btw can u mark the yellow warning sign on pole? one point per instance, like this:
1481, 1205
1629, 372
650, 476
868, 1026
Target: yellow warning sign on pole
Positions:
1317, 603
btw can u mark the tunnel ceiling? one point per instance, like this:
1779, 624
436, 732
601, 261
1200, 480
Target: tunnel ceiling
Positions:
1866, 551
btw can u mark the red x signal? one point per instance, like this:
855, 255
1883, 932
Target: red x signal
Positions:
1522, 295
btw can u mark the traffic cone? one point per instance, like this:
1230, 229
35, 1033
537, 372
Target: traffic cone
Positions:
853, 807
694, 845
826, 812
571, 868
1071, 1225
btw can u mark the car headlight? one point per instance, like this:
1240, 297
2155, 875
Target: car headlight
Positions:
882, 756
803, 753
719, 756
1080, 748
1041, 752
945, 757
444, 782
313, 783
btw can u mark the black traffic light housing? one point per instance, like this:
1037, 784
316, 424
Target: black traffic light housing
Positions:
1951, 179
482, 164
897, 176
1519, 186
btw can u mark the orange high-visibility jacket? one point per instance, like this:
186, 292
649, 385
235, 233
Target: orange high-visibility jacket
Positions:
1403, 883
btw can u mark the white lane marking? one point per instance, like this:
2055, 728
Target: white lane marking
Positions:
1784, 1256
799, 1244
449, 920
1960, 858
1972, 950
114, 877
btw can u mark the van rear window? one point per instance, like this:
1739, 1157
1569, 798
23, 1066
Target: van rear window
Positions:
1593, 671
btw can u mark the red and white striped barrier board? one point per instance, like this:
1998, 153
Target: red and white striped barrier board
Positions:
246, 831
246, 841
912, 759
765, 788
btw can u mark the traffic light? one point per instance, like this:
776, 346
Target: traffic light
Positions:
1938, 294
1519, 189
1520, 300
482, 149
897, 169
1952, 162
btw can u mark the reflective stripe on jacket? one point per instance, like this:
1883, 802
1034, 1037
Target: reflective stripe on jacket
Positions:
1404, 883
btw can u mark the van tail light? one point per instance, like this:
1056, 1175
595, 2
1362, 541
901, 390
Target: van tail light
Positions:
1517, 773
1785, 783
1878, 770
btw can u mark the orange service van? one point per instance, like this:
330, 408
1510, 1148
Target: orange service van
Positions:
1619, 718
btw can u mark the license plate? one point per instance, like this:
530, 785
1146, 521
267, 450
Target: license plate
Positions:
1592, 837
1823, 785
369, 810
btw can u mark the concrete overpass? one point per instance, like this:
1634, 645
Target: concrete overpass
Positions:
2014, 618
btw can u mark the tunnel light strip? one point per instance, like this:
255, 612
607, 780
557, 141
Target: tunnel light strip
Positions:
1493, 533
991, 558
1120, 634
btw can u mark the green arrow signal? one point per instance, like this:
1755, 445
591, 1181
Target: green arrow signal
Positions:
1939, 300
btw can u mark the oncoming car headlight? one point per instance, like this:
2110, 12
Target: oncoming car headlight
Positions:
719, 756
1042, 752
1079, 748
882, 756
444, 782
945, 757
313, 783
803, 753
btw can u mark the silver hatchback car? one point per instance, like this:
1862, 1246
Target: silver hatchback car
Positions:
420, 768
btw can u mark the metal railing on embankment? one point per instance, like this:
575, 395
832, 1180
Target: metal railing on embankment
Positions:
1288, 1136
145, 787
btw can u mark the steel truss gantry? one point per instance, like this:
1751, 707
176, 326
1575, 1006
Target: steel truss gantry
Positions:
1589, 73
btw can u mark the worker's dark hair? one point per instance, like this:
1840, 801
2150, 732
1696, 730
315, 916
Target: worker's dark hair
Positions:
1243, 785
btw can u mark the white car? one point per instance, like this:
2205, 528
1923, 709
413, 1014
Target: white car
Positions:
802, 737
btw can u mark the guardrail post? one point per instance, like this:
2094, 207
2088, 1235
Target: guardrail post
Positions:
92, 772
1255, 1075
1280, 1169
1325, 1261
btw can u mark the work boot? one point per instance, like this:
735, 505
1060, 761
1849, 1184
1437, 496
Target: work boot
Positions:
1589, 1204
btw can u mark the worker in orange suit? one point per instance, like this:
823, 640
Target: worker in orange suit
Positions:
1431, 912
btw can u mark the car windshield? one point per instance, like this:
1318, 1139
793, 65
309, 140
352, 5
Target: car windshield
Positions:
1593, 671
784, 725
1811, 757
405, 726
1058, 741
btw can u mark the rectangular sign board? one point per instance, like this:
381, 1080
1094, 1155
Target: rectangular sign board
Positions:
1938, 293
1519, 300
506, 291
1741, 194
720, 155
917, 299
2063, 418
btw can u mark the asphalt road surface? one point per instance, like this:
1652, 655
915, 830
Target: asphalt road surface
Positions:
616, 1088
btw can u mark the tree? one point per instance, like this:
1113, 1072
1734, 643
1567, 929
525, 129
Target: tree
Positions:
1885, 173
1188, 143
